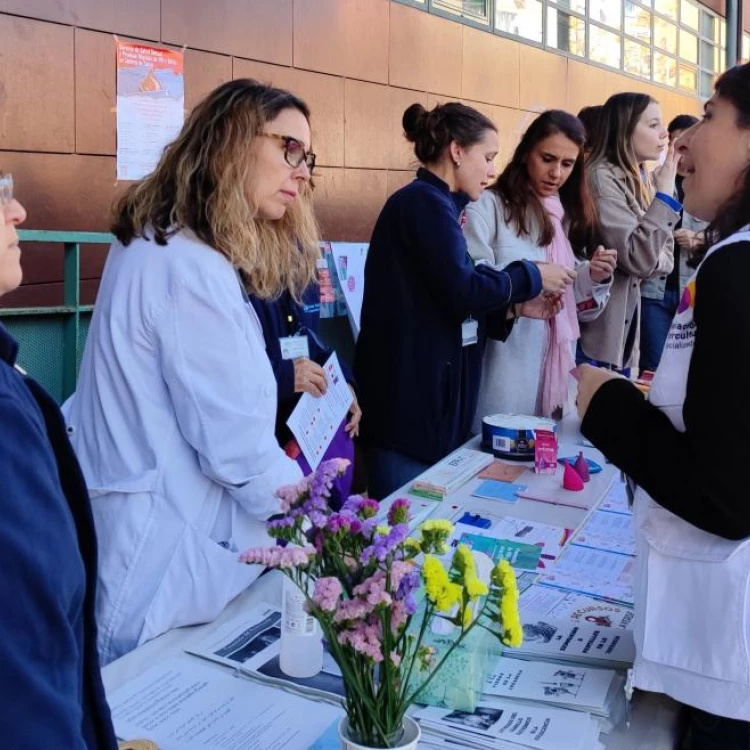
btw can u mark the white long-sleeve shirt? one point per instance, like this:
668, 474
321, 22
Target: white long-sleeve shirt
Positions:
173, 423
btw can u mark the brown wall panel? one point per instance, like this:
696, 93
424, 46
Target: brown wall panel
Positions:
324, 95
348, 201
204, 71
138, 18
64, 191
342, 37
490, 68
425, 51
586, 86
246, 28
36, 85
373, 135
96, 70
542, 80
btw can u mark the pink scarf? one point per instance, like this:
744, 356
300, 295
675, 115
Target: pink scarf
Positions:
563, 328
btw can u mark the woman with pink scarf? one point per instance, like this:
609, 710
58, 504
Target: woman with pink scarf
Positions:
540, 209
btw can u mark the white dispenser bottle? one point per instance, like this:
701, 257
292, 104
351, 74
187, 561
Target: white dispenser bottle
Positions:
301, 638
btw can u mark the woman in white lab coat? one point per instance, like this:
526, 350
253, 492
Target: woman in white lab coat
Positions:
173, 419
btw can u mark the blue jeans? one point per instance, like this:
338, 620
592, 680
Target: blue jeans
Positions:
387, 470
583, 359
656, 318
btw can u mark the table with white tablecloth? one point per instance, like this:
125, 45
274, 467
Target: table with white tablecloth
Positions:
653, 718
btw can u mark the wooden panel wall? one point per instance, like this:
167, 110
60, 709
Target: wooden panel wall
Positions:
358, 63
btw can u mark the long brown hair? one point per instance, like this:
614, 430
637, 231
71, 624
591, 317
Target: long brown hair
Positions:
522, 205
203, 183
612, 140
734, 86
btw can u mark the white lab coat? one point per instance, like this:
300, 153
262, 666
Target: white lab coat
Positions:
173, 423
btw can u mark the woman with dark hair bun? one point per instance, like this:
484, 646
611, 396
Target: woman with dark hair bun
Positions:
687, 449
427, 309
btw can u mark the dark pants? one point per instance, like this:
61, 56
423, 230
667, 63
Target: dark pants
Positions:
583, 359
656, 318
388, 470
704, 731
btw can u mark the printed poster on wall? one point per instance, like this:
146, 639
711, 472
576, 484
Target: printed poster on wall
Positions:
350, 260
150, 106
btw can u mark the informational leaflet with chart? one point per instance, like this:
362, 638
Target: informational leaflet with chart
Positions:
186, 704
605, 530
315, 420
607, 575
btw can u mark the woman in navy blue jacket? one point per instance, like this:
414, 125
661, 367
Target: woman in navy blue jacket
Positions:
50, 686
427, 309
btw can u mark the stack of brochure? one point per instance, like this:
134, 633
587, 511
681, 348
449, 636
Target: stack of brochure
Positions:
498, 724
562, 641
599, 692
446, 476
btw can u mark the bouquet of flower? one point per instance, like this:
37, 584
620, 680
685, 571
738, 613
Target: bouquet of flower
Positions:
361, 577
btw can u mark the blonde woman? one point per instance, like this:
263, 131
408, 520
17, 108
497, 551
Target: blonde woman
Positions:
173, 419
637, 214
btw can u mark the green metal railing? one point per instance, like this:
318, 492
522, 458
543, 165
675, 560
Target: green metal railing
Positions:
52, 338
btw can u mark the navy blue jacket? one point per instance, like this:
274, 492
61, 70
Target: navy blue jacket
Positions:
51, 694
417, 384
285, 317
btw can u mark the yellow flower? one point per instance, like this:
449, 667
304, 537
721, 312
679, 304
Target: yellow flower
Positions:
475, 587
468, 616
437, 524
463, 559
412, 544
443, 593
382, 530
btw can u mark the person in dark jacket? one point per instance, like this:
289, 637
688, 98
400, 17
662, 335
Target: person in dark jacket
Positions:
427, 309
297, 354
299, 369
51, 689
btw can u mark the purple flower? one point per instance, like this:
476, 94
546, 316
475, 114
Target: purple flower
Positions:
383, 545
364, 507
399, 511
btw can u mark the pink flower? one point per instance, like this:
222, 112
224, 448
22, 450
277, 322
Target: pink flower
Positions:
364, 639
279, 557
373, 590
396, 659
327, 592
351, 609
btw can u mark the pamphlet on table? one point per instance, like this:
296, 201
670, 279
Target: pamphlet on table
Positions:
185, 704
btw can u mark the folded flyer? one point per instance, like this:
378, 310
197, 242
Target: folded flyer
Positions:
446, 476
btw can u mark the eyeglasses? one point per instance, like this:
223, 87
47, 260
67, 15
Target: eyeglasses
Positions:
6, 189
294, 151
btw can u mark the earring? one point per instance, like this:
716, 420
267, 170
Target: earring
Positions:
458, 164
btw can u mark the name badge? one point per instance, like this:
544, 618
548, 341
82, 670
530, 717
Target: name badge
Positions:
294, 347
469, 330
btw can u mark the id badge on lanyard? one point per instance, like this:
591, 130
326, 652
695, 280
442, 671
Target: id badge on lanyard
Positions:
294, 347
469, 332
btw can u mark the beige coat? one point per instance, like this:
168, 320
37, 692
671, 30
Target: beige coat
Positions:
644, 244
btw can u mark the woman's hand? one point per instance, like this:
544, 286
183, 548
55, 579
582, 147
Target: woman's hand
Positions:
309, 377
602, 265
664, 176
590, 380
555, 278
355, 414
686, 239
543, 307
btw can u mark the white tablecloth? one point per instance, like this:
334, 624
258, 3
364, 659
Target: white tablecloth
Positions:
653, 717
